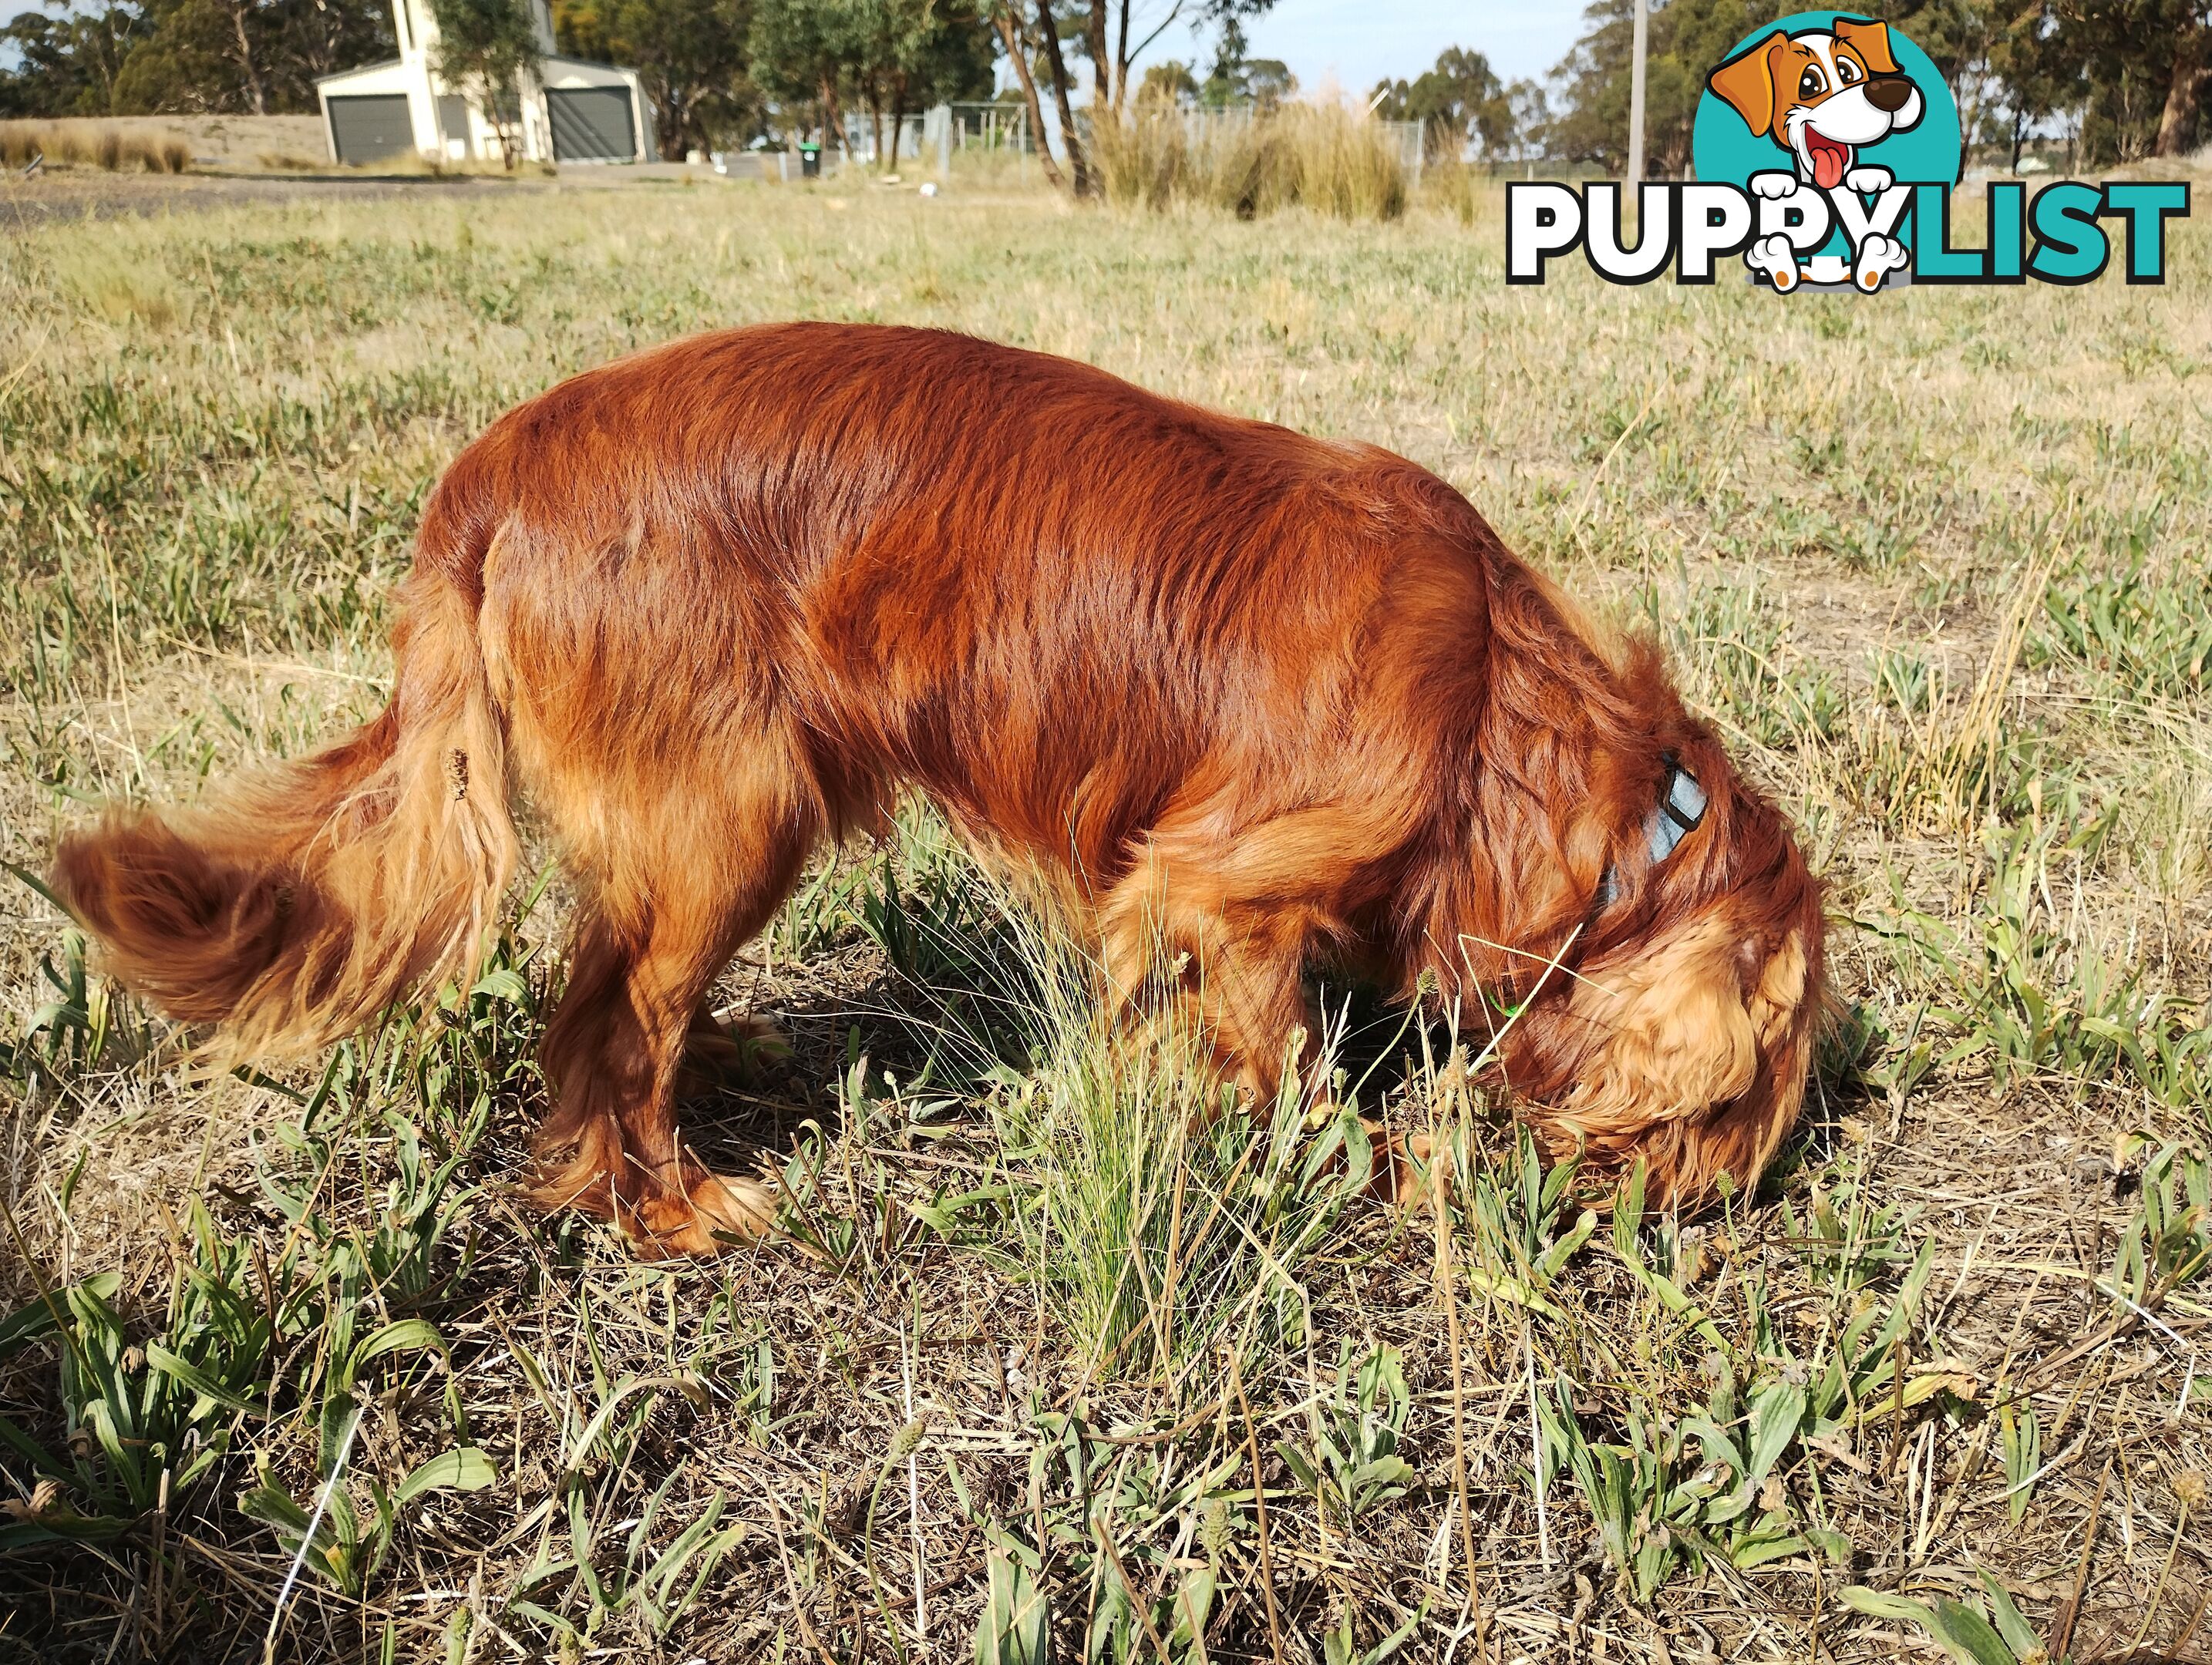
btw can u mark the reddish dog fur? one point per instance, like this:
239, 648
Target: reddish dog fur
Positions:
1243, 698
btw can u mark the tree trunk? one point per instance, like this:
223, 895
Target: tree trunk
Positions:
832, 121
667, 121
1056, 61
898, 116
1102, 67
2177, 123
245, 58
1010, 31
1121, 60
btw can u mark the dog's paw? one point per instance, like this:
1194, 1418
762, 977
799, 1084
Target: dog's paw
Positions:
1774, 186
1867, 180
726, 1050
739, 1209
1404, 1173
715, 1214
1777, 258
1879, 256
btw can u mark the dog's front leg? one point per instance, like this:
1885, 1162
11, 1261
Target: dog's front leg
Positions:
1215, 927
1224, 980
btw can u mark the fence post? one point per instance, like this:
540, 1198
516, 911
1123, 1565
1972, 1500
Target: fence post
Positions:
936, 132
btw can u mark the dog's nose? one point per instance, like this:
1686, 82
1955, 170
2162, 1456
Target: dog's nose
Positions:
1890, 93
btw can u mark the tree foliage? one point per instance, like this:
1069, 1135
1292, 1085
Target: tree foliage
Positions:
186, 56
891, 58
483, 47
1115, 34
692, 56
1238, 78
2114, 80
1459, 102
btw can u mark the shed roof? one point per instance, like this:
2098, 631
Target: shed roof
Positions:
362, 69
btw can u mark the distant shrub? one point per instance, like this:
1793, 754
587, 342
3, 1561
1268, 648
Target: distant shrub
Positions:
1322, 156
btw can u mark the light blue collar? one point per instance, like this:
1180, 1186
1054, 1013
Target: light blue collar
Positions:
1681, 808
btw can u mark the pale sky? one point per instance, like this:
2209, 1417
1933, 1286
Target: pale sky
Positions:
1359, 42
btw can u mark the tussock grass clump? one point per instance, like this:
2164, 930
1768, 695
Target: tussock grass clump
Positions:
120, 294
92, 143
1460, 189
1321, 156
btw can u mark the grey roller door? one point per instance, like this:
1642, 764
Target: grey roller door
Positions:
367, 129
591, 125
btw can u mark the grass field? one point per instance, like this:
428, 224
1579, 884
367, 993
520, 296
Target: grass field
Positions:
1939, 563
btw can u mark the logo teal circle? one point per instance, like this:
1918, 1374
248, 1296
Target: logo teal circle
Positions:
1722, 149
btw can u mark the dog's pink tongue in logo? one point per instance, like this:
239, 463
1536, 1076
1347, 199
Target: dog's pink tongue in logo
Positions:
1828, 159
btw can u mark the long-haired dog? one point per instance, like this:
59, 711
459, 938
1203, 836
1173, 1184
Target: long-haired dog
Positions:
1246, 699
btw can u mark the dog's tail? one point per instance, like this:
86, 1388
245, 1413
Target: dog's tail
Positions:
300, 904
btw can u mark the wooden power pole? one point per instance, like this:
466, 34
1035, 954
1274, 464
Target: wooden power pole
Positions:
1635, 101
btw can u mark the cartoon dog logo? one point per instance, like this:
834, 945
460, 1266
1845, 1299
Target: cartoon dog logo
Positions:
1822, 96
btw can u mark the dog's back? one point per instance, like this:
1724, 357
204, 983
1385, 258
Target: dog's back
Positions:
1050, 598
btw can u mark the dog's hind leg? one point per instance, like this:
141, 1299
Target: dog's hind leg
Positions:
673, 884
726, 1049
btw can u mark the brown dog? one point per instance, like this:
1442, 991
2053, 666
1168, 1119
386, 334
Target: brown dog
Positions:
1243, 698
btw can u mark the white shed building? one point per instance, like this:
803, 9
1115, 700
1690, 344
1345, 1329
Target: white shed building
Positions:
572, 110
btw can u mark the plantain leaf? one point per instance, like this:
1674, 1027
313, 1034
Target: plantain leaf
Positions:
198, 1380
27, 1324
1967, 1636
2020, 1636
406, 1335
504, 984
1880, 1604
465, 1470
1775, 1412
1015, 1627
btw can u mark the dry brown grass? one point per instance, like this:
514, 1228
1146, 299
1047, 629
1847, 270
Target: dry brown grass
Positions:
1319, 156
91, 144
1936, 561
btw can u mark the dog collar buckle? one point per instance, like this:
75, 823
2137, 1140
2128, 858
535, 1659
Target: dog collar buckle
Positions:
1679, 811
1681, 807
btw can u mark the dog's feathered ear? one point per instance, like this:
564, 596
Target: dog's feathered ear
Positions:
1746, 83
1870, 41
